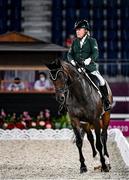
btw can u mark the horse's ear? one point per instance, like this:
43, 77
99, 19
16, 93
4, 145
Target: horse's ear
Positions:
55, 64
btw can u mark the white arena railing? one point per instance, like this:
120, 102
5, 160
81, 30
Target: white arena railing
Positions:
120, 99
122, 143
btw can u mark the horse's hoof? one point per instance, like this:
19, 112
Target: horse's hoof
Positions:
105, 169
109, 166
83, 169
97, 167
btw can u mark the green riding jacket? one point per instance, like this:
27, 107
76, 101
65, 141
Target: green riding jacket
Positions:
89, 50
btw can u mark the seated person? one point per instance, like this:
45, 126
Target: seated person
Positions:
16, 85
43, 83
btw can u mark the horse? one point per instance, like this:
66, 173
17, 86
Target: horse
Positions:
85, 108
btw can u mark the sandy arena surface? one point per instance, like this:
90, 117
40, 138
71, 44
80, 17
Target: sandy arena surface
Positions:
55, 160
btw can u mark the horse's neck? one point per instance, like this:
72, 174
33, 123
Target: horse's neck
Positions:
81, 87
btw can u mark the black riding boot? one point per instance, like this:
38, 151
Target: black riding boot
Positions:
103, 90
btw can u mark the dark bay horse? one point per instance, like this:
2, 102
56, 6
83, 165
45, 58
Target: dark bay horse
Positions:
85, 108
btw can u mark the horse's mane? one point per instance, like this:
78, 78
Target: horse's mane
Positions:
70, 70
73, 73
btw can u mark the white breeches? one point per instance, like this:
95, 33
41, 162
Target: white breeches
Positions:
98, 75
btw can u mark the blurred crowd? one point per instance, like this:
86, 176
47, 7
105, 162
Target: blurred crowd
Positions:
39, 82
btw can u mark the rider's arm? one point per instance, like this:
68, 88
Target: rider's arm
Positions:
70, 56
94, 49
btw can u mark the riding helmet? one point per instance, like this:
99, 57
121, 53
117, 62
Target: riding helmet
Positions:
82, 24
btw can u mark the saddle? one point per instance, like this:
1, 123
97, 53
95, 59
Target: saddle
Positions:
94, 79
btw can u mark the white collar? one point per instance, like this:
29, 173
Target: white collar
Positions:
82, 40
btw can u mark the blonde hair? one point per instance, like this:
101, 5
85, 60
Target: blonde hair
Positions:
88, 33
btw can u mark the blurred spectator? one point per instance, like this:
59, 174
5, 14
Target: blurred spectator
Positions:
69, 40
27, 76
43, 83
16, 85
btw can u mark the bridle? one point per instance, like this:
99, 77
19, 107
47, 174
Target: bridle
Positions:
65, 77
54, 78
65, 89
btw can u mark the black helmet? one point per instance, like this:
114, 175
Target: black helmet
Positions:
82, 24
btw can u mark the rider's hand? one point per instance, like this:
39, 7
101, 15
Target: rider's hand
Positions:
81, 63
73, 63
87, 61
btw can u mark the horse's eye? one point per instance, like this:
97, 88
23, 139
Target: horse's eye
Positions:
59, 76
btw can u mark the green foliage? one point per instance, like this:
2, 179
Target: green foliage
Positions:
62, 122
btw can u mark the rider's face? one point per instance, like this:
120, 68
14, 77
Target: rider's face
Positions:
81, 32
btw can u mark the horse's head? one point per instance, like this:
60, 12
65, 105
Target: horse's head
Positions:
63, 75
54, 65
59, 78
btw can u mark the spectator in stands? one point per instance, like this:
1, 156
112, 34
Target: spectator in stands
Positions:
83, 54
43, 83
16, 85
69, 40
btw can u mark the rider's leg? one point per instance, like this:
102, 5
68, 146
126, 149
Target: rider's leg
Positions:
104, 92
103, 89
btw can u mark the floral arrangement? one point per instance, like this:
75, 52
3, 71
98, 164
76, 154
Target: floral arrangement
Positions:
25, 121
62, 122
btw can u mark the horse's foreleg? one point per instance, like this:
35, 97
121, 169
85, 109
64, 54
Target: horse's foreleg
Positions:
97, 164
91, 140
99, 147
79, 143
